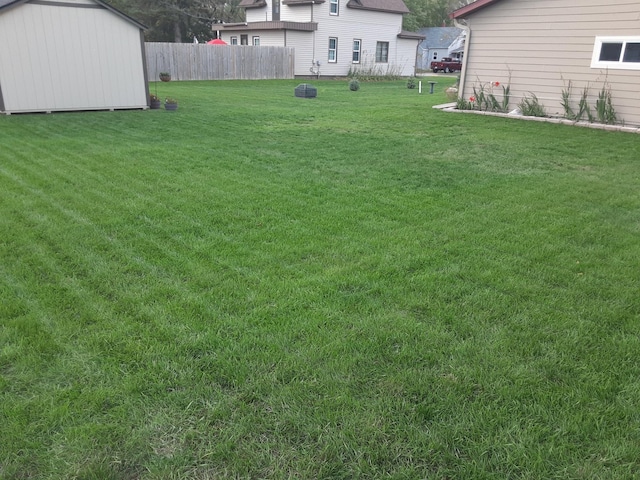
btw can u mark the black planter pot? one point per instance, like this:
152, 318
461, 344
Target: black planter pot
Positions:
170, 106
154, 104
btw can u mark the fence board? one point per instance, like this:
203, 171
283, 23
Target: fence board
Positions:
188, 61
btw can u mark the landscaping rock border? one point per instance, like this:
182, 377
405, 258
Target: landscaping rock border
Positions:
451, 107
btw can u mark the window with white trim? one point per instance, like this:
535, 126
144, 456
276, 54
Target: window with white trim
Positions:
333, 50
333, 7
256, 41
357, 44
234, 40
382, 52
622, 53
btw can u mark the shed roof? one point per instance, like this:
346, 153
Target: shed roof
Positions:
7, 4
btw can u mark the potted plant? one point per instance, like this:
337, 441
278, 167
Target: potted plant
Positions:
165, 76
170, 103
154, 102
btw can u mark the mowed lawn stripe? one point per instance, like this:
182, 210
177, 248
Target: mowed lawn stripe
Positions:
356, 286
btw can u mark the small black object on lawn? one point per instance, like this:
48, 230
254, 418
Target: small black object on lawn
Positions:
305, 90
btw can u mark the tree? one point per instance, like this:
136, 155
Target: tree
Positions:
430, 13
180, 20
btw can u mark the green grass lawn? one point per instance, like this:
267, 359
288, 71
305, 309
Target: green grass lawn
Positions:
351, 286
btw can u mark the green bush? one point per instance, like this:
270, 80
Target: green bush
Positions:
354, 85
530, 106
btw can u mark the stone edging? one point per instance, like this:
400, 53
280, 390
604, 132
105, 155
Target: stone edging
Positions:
450, 107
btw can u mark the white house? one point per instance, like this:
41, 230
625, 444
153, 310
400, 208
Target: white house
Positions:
331, 37
542, 47
69, 55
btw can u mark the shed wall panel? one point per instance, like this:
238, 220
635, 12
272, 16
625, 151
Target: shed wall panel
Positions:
65, 58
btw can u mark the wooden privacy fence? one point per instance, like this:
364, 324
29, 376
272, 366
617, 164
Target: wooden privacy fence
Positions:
188, 61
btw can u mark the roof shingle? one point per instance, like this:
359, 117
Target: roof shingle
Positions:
395, 6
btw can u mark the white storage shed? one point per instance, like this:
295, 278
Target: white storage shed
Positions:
63, 55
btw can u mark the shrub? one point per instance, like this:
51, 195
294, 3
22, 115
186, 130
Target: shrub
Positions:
531, 107
604, 107
354, 85
411, 83
484, 98
369, 70
605, 113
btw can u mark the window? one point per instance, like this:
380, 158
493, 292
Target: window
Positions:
616, 53
333, 49
244, 39
234, 40
333, 7
355, 58
256, 41
382, 52
435, 55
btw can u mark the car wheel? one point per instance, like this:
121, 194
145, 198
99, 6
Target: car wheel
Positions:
435, 70
446, 70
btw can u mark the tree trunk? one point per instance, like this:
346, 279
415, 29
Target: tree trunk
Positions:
177, 32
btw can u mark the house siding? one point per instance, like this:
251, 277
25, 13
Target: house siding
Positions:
303, 56
64, 58
539, 46
368, 26
300, 13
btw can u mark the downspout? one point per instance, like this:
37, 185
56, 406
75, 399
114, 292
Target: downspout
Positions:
467, 41
313, 46
415, 63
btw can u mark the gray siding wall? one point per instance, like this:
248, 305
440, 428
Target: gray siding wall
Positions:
541, 45
60, 57
187, 61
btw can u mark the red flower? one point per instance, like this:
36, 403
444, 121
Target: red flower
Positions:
472, 99
496, 84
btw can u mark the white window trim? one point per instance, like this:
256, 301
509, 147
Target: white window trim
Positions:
256, 41
619, 65
337, 4
354, 50
234, 40
335, 59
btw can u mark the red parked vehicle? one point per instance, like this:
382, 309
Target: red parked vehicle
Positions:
446, 65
